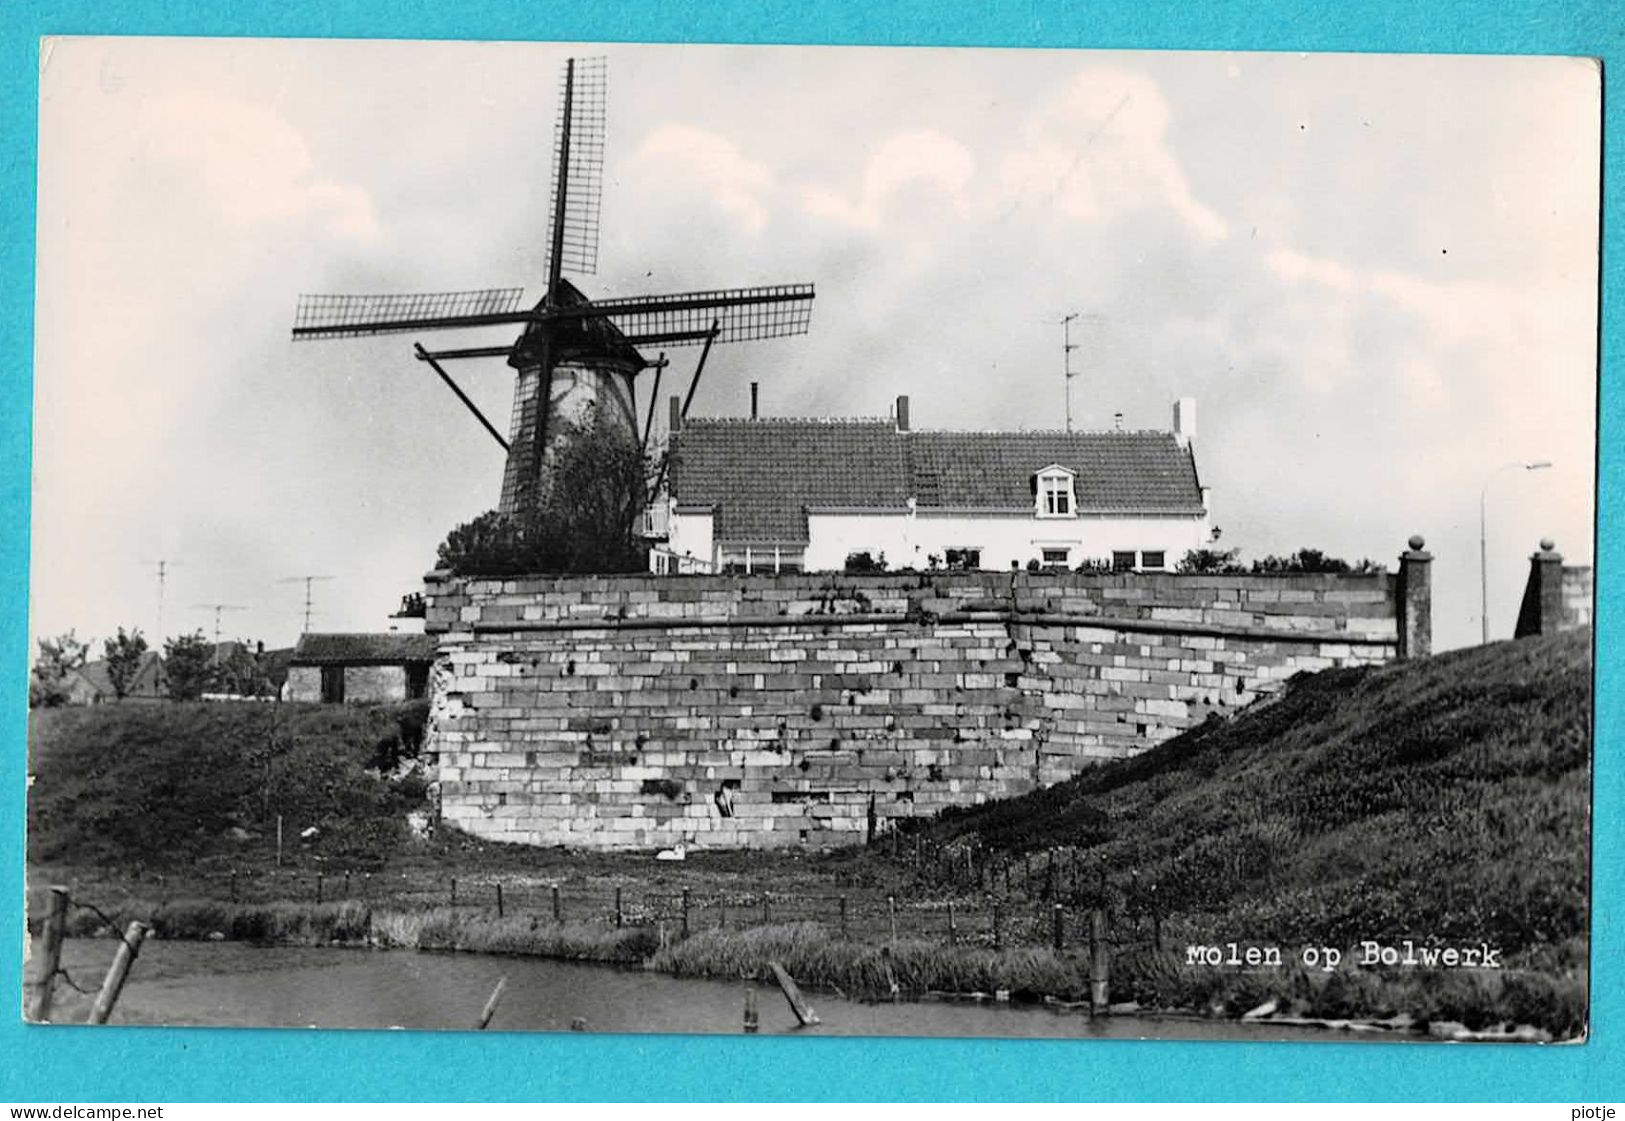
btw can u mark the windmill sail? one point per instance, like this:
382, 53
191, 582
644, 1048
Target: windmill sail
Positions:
578, 154
321, 316
684, 318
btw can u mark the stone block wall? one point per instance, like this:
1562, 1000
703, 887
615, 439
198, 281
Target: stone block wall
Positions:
630, 712
362, 684
1556, 597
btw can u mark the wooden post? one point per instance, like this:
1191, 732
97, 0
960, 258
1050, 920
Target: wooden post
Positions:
234, 885
490, 1008
843, 917
499, 899
722, 914
1049, 879
953, 928
117, 972
318, 889
618, 912
1099, 961
750, 1012
798, 1004
1058, 926
870, 836
766, 915
454, 891
685, 912
279, 840
50, 956
891, 912
346, 883
998, 925
558, 914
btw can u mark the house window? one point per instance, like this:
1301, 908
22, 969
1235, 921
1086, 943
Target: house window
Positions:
1123, 561
417, 681
1153, 558
333, 685
1055, 497
1056, 558
962, 558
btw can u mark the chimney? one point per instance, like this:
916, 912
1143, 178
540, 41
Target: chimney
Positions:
1185, 420
902, 413
676, 423
754, 386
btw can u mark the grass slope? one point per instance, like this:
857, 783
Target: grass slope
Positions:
162, 785
1446, 799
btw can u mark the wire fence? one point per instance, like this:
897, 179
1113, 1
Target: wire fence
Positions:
952, 894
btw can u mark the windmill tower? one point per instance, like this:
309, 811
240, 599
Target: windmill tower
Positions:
574, 352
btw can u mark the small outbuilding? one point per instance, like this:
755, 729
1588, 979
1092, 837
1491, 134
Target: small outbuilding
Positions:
368, 668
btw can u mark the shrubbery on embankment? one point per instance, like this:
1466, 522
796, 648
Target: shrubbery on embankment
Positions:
136, 785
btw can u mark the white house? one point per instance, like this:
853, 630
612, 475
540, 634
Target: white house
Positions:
785, 495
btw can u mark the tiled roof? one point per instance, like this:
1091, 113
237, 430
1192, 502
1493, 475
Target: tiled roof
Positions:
761, 476
363, 649
1140, 472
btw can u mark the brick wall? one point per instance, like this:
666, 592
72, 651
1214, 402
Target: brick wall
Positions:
609, 712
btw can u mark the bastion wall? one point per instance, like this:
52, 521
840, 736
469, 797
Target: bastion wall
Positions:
761, 711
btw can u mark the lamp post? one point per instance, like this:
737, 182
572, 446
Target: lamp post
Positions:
1483, 548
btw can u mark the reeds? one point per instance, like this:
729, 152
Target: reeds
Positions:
816, 959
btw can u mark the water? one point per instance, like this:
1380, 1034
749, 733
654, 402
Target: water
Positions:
233, 984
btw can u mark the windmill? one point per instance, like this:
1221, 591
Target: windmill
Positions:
574, 351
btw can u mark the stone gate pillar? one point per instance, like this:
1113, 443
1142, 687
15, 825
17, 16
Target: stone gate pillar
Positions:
1415, 601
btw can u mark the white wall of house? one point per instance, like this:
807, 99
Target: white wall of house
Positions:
909, 541
689, 538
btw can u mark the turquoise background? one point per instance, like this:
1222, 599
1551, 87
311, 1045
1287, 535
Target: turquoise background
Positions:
77, 1064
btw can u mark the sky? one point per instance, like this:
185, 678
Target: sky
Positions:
1377, 276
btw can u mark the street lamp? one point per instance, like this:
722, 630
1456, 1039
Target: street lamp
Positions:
1483, 549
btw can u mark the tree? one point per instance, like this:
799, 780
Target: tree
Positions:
58, 657
595, 488
188, 673
241, 674
123, 656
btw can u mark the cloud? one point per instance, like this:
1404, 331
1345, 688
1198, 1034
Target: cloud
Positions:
1100, 150
706, 168
250, 164
919, 158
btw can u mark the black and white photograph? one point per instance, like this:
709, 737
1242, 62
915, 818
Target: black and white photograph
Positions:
860, 541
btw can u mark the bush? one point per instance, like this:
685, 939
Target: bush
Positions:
865, 562
1311, 561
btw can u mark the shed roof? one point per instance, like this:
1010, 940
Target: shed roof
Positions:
363, 649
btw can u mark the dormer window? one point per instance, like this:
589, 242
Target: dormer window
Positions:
1054, 493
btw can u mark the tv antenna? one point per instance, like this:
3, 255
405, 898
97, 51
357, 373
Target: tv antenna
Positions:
1067, 347
308, 581
217, 608
573, 350
162, 567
